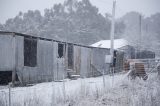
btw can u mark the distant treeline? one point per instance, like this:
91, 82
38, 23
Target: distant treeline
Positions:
78, 22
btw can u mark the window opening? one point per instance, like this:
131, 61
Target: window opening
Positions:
61, 50
70, 56
30, 52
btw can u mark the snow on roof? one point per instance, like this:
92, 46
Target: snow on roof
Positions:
118, 43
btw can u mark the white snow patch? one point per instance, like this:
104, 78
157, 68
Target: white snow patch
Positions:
119, 91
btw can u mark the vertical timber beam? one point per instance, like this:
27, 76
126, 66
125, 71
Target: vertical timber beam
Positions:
112, 35
14, 61
53, 71
112, 29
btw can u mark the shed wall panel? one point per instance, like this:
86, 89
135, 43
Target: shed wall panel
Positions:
19, 57
7, 53
85, 62
45, 60
77, 59
98, 61
60, 69
25, 73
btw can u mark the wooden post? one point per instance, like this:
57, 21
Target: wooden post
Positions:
53, 99
9, 94
14, 65
104, 80
64, 90
112, 38
53, 73
66, 59
112, 29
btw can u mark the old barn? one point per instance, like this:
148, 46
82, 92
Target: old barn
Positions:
31, 59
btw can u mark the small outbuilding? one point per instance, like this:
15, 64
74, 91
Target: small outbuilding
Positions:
120, 51
124, 51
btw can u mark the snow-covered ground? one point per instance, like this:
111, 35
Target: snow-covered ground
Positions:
117, 90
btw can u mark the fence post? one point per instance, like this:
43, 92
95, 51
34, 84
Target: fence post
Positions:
53, 78
9, 94
103, 80
64, 93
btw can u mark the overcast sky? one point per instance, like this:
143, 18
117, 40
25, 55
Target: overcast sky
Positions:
10, 8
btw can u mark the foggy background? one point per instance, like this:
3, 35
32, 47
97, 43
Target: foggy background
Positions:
10, 8
84, 21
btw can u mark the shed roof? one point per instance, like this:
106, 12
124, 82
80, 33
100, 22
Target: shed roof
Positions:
44, 38
118, 43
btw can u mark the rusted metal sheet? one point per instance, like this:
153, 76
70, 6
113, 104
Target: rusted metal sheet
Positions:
85, 62
77, 59
49, 66
137, 69
98, 61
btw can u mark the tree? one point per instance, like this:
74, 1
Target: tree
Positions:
73, 21
142, 36
1, 27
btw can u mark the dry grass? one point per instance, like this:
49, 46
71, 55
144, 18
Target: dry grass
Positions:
125, 93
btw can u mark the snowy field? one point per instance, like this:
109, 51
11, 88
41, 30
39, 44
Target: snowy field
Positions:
117, 90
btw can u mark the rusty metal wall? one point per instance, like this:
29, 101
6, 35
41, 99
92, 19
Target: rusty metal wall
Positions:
48, 68
98, 61
86, 61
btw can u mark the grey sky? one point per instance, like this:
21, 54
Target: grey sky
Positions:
10, 8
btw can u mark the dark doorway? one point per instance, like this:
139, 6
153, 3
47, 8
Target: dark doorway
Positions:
70, 56
61, 50
6, 77
30, 52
